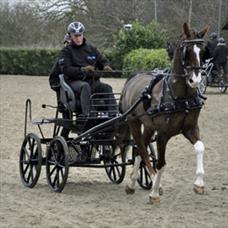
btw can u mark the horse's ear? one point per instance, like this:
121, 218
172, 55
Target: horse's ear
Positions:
186, 30
204, 31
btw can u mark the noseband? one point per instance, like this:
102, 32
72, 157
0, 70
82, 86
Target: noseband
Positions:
183, 47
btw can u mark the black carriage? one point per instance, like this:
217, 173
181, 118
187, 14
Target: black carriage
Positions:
95, 145
211, 78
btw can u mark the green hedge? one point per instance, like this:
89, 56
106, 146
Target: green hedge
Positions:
27, 61
40, 61
145, 60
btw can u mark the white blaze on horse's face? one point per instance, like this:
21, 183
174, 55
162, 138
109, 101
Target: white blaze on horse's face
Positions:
196, 74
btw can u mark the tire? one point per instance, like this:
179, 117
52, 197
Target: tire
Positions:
30, 160
144, 179
203, 84
57, 167
113, 156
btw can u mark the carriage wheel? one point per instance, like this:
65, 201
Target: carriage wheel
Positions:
57, 166
113, 156
30, 160
222, 87
144, 179
203, 84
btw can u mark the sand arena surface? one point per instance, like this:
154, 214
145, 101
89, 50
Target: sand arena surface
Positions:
89, 200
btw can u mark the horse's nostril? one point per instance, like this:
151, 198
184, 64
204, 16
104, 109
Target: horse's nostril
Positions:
190, 80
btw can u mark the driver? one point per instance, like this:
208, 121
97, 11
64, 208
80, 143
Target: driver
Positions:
80, 60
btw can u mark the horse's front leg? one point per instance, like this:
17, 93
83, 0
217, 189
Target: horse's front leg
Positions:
193, 136
199, 183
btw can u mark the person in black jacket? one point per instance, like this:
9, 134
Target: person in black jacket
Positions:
220, 57
56, 69
170, 50
211, 44
80, 60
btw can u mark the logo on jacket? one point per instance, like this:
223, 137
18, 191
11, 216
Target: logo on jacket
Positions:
92, 57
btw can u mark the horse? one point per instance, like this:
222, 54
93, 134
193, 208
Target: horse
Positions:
168, 106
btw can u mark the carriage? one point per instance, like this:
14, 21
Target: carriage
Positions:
96, 144
212, 78
155, 108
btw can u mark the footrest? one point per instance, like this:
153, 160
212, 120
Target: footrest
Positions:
43, 121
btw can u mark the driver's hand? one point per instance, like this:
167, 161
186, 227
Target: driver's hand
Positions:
88, 69
107, 68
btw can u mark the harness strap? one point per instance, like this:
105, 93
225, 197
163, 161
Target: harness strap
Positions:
146, 94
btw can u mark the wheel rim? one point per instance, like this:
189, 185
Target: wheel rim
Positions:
116, 172
57, 167
144, 179
30, 160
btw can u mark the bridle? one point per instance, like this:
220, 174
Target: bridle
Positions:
183, 48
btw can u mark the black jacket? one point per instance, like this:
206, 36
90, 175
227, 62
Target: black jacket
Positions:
54, 76
211, 45
220, 54
75, 57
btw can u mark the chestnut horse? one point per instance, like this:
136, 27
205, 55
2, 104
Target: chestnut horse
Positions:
174, 108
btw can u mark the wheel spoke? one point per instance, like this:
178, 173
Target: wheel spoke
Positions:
26, 168
110, 171
114, 173
30, 175
62, 173
50, 162
58, 178
26, 152
141, 174
54, 168
31, 145
146, 176
53, 153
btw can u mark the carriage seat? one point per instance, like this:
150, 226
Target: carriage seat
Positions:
67, 96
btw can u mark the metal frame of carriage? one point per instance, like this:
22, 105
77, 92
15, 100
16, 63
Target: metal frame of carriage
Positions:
207, 78
95, 146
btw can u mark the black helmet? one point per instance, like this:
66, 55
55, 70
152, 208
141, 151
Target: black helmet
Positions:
221, 40
77, 28
213, 35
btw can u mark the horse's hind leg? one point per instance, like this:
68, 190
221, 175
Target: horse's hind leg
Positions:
193, 136
135, 128
161, 147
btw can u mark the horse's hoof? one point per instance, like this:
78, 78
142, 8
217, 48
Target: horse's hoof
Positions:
161, 192
198, 189
154, 200
129, 191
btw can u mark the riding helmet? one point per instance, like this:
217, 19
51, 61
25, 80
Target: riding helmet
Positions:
213, 35
221, 40
77, 28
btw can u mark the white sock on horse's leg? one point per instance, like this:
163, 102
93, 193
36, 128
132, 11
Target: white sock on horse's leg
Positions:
199, 149
156, 183
134, 174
